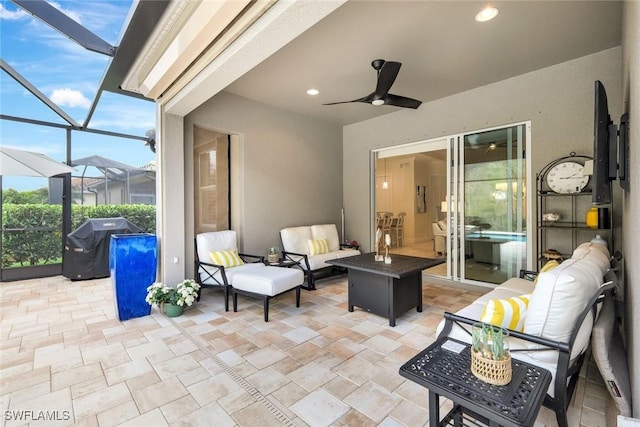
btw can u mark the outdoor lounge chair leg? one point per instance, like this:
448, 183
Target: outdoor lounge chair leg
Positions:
266, 308
226, 298
298, 296
561, 417
235, 302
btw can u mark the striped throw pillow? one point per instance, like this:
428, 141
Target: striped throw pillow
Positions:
550, 265
227, 259
506, 313
318, 246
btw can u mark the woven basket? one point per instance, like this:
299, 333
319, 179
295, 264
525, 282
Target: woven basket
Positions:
496, 372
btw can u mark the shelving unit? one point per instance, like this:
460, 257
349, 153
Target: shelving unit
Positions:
565, 234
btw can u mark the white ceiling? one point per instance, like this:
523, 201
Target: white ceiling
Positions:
442, 49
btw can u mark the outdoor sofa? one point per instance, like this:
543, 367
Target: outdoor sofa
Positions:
553, 330
311, 246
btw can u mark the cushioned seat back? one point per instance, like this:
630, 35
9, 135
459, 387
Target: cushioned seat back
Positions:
296, 239
329, 232
215, 241
561, 294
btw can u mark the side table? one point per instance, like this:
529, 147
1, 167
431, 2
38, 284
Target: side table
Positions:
447, 373
286, 263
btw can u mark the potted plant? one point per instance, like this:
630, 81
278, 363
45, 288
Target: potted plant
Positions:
172, 300
490, 357
274, 255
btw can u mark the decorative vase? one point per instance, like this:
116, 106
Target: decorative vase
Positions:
172, 310
132, 267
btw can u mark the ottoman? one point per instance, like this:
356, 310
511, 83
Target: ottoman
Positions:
267, 283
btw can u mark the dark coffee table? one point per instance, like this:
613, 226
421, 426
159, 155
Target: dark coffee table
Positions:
448, 373
385, 289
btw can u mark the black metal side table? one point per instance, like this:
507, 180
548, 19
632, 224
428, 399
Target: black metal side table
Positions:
447, 373
282, 263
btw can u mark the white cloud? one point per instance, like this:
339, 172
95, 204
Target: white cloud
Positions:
12, 15
70, 98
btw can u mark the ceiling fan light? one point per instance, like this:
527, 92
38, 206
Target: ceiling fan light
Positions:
487, 14
313, 92
378, 102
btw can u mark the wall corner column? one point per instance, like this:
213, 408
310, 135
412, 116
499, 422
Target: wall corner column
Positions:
170, 187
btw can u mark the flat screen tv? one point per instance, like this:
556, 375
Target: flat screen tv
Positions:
623, 149
604, 141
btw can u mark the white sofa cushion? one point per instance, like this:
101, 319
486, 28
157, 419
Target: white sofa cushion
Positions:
319, 261
561, 294
329, 232
595, 252
295, 239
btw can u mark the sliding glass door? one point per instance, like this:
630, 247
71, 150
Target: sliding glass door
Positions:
487, 205
463, 198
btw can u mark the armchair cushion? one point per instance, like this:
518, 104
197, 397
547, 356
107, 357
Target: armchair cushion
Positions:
228, 258
507, 313
215, 241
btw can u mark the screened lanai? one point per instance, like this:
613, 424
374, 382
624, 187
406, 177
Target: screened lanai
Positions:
61, 97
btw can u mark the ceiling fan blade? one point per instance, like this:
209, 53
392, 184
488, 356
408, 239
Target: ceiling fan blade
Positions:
386, 76
366, 99
401, 101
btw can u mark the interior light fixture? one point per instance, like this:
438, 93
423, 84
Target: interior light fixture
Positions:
487, 14
385, 184
377, 102
313, 92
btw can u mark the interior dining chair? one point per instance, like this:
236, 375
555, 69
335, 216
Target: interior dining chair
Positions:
397, 228
387, 221
439, 238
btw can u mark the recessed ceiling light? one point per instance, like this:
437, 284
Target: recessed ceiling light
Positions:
487, 14
313, 92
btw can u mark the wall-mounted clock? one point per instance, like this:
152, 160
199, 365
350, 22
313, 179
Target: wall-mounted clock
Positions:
566, 177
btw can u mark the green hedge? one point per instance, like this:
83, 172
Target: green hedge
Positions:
32, 233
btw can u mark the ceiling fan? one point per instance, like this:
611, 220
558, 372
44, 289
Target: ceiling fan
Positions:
387, 73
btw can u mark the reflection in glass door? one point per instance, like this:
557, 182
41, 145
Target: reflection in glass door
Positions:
489, 219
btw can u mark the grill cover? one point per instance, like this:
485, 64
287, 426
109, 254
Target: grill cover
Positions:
86, 249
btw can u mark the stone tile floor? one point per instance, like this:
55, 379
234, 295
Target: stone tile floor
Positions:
65, 359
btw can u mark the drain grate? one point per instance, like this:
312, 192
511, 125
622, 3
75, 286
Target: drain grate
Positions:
240, 380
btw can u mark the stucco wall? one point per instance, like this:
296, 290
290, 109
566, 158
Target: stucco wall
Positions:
290, 167
558, 100
631, 200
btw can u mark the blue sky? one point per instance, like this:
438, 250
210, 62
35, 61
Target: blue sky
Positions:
69, 75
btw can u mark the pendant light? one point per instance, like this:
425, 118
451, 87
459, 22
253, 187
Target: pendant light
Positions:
385, 184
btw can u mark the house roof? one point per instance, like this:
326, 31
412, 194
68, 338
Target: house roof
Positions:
102, 163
